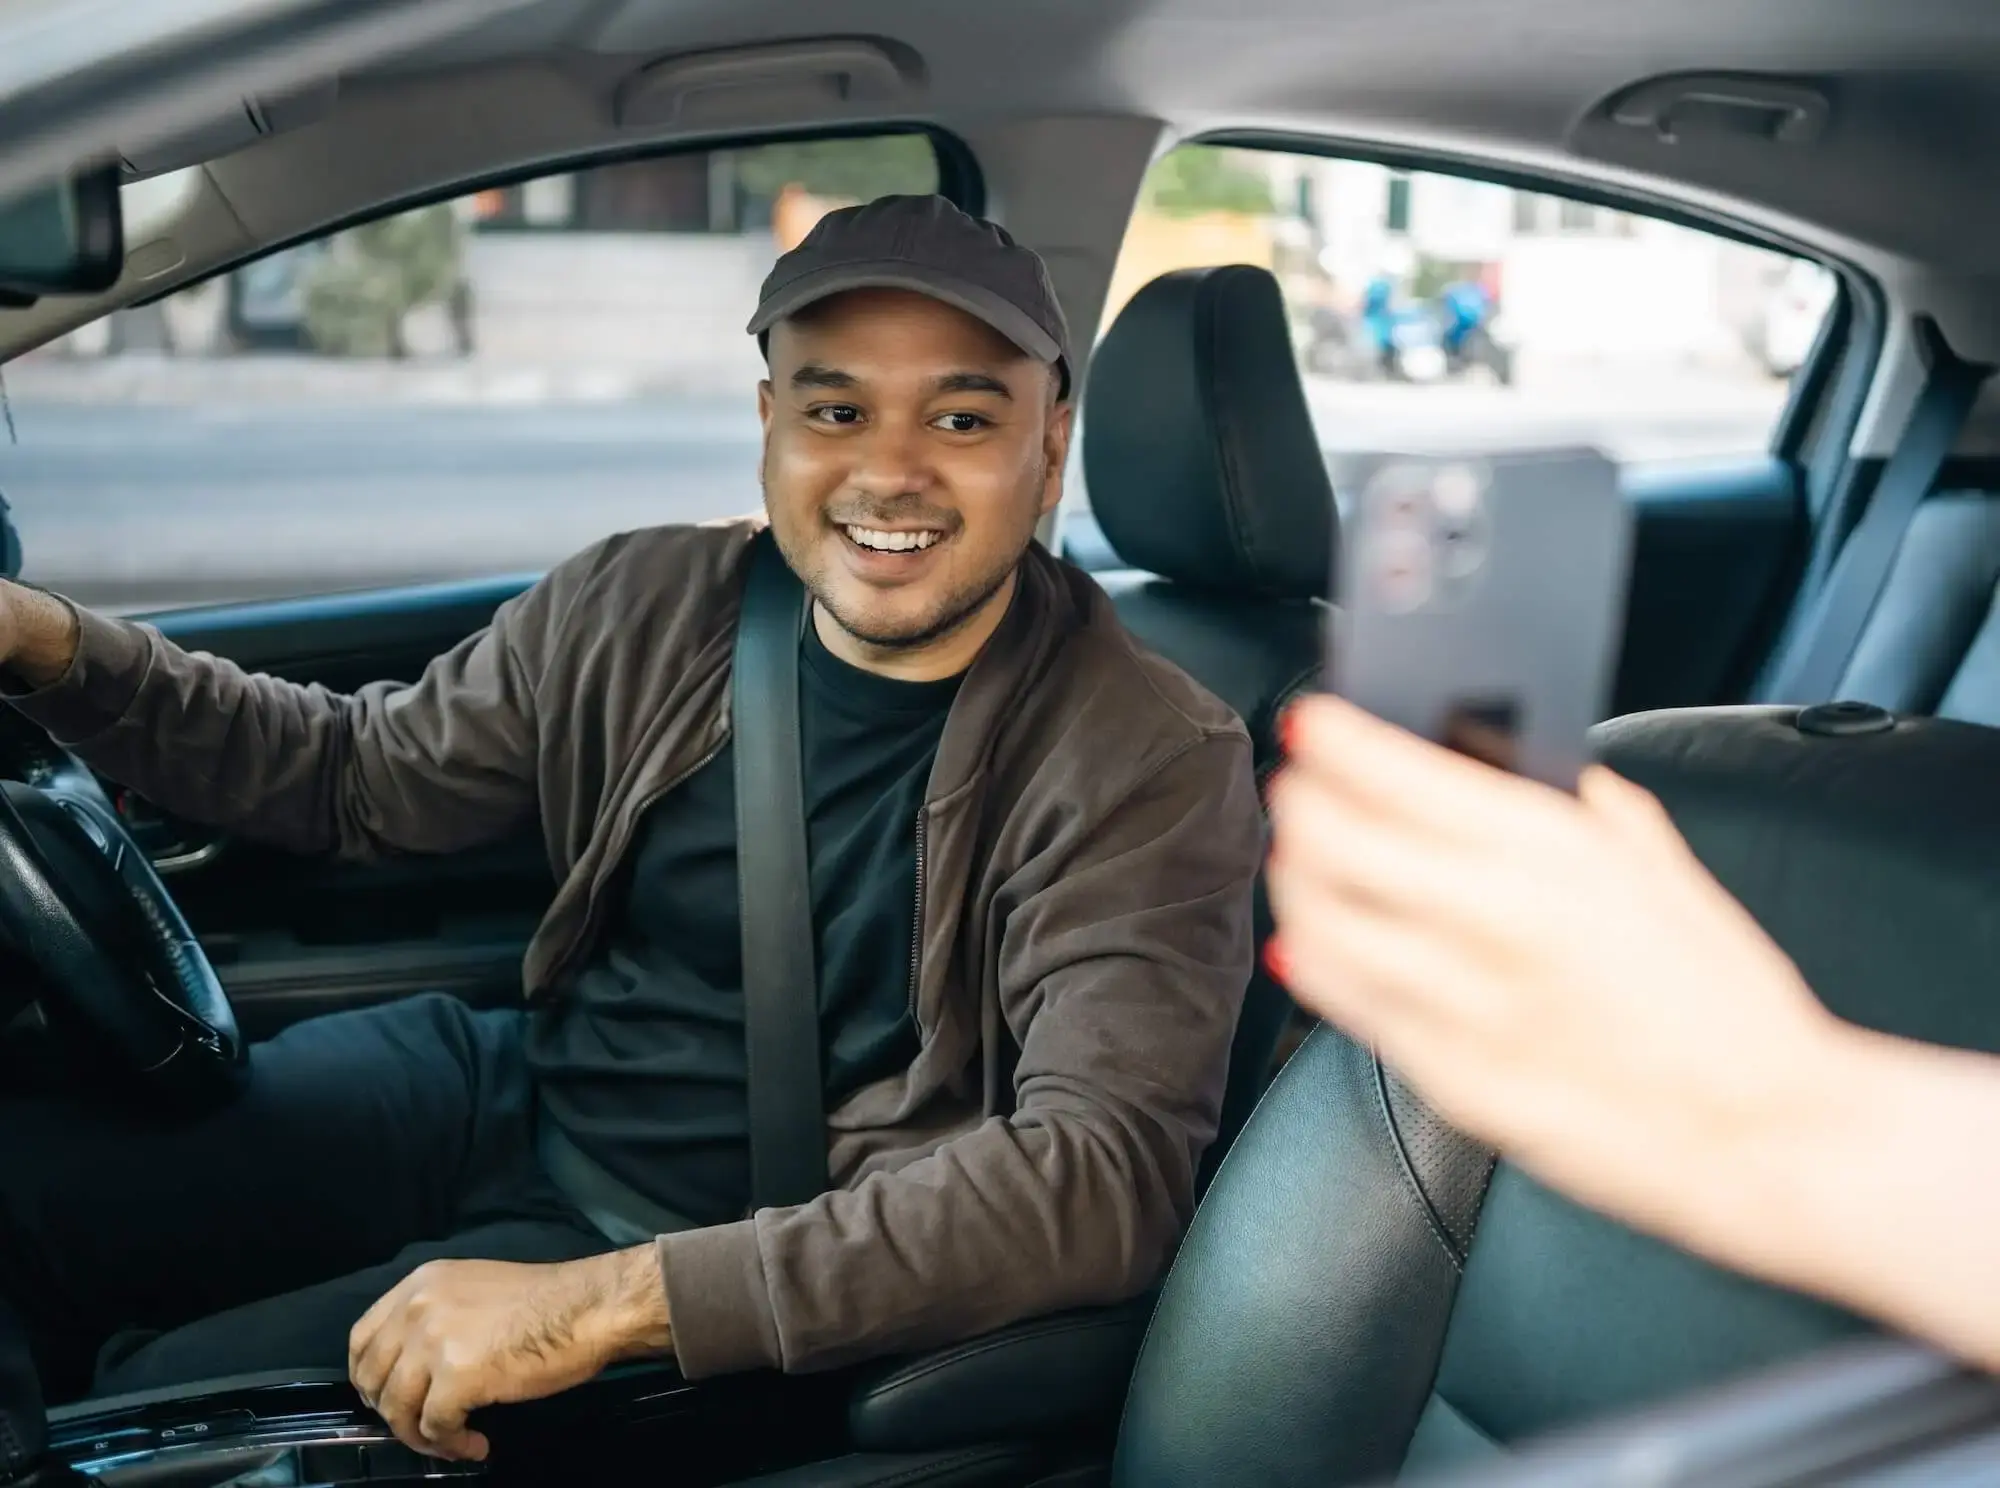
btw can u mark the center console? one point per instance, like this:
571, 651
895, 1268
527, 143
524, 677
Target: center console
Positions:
291, 1431
1039, 1390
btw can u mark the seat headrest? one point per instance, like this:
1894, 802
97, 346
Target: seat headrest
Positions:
1198, 451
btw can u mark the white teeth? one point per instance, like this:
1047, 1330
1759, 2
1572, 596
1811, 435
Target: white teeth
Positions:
890, 542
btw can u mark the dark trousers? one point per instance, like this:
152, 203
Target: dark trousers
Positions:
253, 1239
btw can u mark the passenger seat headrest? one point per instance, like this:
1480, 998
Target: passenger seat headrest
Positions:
1198, 450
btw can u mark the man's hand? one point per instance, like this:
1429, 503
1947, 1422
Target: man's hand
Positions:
38, 635
458, 1335
1558, 976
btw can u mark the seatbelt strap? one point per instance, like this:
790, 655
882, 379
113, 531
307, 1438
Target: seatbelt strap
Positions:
780, 981
1858, 576
621, 1214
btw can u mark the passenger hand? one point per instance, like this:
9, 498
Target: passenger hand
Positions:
458, 1335
1559, 977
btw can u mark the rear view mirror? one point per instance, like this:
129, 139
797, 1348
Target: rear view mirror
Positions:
63, 239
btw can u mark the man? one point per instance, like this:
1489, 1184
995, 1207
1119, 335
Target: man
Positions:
1032, 847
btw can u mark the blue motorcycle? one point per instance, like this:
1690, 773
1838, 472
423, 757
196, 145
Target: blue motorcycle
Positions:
1426, 341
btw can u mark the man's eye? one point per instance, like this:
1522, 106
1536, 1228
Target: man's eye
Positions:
961, 423
835, 413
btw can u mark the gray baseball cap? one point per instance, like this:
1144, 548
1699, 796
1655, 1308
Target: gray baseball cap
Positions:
926, 245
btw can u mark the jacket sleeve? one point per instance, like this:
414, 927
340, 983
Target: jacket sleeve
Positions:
1122, 980
445, 763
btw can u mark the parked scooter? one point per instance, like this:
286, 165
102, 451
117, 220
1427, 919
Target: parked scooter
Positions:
1465, 313
1430, 341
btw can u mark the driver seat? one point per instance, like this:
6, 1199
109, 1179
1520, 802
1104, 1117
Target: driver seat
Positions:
1365, 1292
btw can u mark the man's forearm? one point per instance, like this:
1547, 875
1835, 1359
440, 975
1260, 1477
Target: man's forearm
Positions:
1880, 1199
44, 637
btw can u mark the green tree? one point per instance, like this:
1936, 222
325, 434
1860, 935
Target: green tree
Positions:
373, 275
854, 169
1193, 179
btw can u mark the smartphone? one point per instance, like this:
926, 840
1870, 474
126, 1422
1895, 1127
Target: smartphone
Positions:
1481, 600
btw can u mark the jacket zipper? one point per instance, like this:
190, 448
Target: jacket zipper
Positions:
917, 921
589, 926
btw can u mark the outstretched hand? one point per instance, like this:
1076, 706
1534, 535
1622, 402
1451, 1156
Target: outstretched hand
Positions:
1558, 976
458, 1335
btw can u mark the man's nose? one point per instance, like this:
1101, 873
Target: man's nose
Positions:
890, 459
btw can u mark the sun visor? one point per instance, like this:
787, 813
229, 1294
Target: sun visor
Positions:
238, 127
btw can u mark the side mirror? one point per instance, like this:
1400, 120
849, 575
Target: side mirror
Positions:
68, 238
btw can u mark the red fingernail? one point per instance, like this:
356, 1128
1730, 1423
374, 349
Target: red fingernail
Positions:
1276, 962
1288, 728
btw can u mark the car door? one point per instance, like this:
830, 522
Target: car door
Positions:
447, 401
291, 937
1432, 308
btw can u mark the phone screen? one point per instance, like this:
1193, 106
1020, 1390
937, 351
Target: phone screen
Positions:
1482, 601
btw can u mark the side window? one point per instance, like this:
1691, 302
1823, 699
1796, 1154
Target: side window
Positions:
1423, 303
480, 386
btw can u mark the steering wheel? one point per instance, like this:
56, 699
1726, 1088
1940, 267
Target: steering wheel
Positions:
81, 901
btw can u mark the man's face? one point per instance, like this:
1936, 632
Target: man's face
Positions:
909, 451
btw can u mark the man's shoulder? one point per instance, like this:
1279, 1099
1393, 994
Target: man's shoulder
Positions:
694, 555
648, 571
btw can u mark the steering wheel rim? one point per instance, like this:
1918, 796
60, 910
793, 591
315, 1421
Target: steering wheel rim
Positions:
83, 903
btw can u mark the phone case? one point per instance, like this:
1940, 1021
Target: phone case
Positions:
1482, 600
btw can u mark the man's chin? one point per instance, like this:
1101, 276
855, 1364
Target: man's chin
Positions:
886, 628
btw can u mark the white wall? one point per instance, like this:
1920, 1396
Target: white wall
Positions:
1648, 297
668, 307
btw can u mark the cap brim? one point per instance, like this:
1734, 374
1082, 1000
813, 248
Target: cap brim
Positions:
980, 303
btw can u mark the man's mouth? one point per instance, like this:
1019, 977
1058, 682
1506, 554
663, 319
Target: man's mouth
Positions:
889, 540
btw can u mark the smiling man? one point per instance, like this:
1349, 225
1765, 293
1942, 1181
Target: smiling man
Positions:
1031, 851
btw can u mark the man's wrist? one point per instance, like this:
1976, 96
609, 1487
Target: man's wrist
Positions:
630, 1319
47, 634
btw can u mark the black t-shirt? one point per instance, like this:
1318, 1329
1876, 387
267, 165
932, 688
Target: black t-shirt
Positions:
641, 1061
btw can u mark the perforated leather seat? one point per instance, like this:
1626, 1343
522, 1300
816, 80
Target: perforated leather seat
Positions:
1360, 1295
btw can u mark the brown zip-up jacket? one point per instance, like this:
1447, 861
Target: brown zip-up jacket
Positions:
1085, 859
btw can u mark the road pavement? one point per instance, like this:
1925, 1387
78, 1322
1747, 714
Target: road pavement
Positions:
133, 503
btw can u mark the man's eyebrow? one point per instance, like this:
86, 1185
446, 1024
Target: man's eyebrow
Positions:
972, 382
813, 375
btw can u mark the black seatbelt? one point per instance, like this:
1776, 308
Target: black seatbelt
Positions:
780, 980
1862, 569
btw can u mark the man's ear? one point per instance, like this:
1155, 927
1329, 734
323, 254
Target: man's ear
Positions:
1055, 454
767, 404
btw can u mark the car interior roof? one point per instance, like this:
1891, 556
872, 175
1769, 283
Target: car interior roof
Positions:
1065, 104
